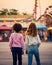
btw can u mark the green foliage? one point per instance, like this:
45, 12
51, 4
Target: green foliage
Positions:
24, 13
3, 12
9, 12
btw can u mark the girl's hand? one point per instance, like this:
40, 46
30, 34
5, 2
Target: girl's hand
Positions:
22, 52
26, 52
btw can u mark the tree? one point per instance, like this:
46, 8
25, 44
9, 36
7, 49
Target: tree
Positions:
13, 12
3, 11
24, 13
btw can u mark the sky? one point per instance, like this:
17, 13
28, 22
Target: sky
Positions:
26, 5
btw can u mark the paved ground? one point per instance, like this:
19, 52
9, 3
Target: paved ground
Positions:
45, 54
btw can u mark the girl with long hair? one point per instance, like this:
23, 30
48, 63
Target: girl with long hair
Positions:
32, 42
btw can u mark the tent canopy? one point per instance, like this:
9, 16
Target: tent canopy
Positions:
5, 28
40, 26
50, 28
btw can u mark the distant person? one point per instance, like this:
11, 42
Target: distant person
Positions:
50, 35
32, 42
16, 43
41, 34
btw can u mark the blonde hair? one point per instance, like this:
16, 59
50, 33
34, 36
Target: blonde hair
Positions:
32, 30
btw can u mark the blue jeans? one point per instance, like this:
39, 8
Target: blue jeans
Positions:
33, 50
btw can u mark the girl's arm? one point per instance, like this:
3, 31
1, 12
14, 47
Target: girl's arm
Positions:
26, 41
10, 41
22, 43
39, 41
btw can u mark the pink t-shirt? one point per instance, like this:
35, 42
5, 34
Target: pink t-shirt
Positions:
16, 40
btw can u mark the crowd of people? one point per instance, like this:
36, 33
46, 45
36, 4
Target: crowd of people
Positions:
45, 35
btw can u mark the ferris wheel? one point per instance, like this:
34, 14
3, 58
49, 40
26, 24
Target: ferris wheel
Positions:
35, 10
48, 10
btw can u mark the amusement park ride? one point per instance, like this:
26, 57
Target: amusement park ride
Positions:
35, 10
8, 22
37, 5
46, 17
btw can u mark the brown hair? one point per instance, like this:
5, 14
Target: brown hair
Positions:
32, 30
17, 27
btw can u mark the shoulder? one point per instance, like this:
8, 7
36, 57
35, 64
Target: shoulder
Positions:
37, 35
21, 35
12, 34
